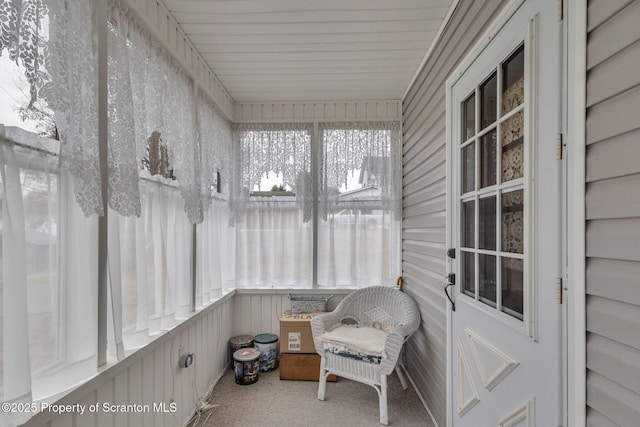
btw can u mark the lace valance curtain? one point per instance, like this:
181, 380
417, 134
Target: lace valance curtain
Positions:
151, 100
214, 132
368, 147
152, 118
72, 97
280, 149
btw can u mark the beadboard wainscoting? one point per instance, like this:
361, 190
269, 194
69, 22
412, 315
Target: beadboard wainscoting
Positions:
163, 394
150, 381
259, 311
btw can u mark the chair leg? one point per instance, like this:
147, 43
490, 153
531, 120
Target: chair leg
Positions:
403, 381
322, 384
382, 396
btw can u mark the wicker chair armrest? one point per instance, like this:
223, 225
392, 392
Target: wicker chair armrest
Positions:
405, 330
392, 349
321, 324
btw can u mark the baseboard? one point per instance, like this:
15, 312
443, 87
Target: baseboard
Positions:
415, 388
207, 394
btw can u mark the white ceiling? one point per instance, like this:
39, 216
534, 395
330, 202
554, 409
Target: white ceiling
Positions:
312, 50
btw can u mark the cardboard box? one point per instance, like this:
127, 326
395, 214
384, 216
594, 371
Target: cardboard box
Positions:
295, 333
301, 367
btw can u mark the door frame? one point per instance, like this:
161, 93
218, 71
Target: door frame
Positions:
573, 356
574, 105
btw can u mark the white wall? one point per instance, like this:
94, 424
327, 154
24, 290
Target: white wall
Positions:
259, 311
152, 375
424, 199
267, 112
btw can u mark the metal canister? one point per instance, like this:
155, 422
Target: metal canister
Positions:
267, 344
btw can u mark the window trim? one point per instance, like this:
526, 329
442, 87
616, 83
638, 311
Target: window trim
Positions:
316, 126
528, 325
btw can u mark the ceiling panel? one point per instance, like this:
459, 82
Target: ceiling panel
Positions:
312, 50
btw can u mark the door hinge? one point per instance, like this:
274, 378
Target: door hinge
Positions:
560, 10
559, 147
559, 290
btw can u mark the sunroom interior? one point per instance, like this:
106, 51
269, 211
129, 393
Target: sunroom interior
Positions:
172, 170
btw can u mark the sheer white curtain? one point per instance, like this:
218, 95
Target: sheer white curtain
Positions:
48, 257
16, 378
215, 245
49, 246
360, 204
215, 254
77, 239
153, 137
75, 184
273, 228
154, 265
274, 245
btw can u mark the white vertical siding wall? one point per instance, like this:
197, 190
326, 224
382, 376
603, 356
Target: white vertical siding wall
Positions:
259, 311
613, 213
250, 112
424, 198
152, 375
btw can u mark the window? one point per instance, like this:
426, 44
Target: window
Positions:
492, 188
273, 209
170, 147
216, 250
358, 241
359, 205
48, 247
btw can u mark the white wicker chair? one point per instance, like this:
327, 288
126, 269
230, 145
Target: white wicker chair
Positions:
390, 308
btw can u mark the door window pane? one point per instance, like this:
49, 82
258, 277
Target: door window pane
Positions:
488, 158
469, 168
468, 273
513, 81
468, 117
512, 222
512, 286
487, 223
492, 194
513, 147
467, 239
487, 279
488, 95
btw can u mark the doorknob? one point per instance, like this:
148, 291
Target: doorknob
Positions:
451, 281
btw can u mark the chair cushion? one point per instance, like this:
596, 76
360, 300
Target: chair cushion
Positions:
340, 350
362, 341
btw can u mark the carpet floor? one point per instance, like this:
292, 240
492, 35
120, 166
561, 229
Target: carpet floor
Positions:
272, 402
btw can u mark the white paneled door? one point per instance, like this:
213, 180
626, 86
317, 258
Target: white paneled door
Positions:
504, 224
